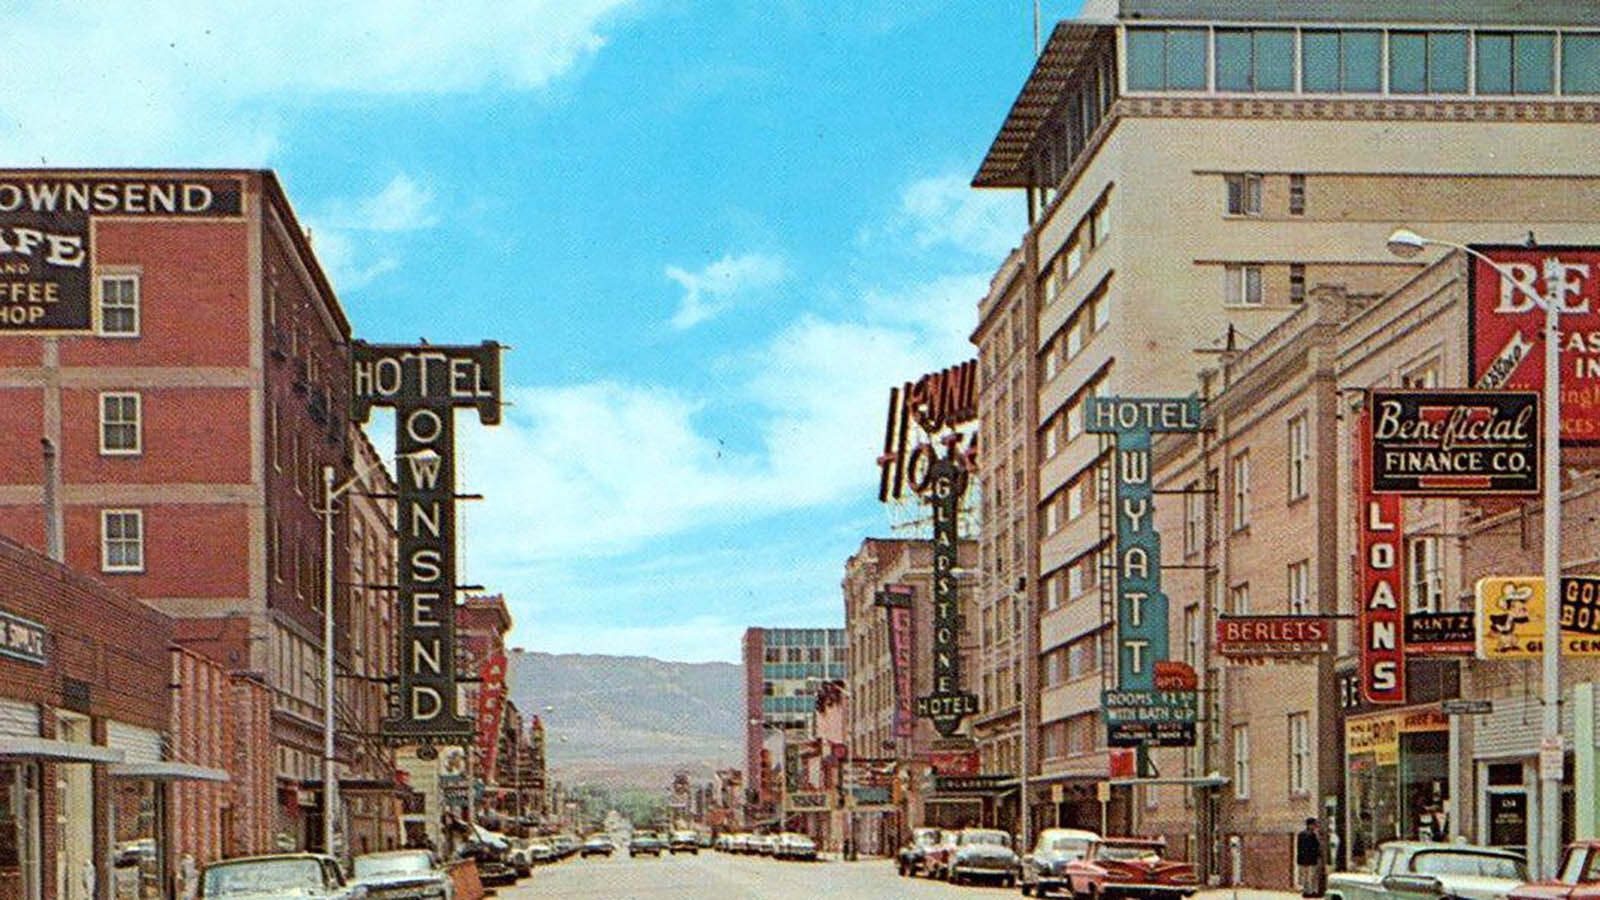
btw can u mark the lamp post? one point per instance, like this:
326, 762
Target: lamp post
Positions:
1407, 243
330, 780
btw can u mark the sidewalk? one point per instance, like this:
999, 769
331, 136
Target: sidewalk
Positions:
1245, 893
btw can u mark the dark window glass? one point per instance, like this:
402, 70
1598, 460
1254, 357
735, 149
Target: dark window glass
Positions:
1320, 62
1408, 62
1186, 59
1147, 51
1274, 60
1362, 53
1234, 50
1494, 64
1447, 62
1580, 64
1534, 56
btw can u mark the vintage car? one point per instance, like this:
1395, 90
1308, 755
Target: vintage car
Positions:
792, 845
1577, 879
402, 875
598, 845
310, 876
765, 845
1045, 868
973, 854
683, 842
1409, 868
911, 859
645, 843
1123, 867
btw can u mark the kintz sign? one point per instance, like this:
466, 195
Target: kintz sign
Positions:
425, 384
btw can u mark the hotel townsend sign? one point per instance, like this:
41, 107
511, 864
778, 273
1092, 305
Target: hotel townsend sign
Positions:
1505, 327
46, 238
948, 704
425, 385
938, 403
1455, 443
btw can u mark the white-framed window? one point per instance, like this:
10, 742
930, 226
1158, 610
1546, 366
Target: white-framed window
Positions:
121, 540
1297, 194
1425, 587
1239, 599
120, 425
1075, 497
1191, 634
119, 305
1241, 762
1244, 195
1052, 362
1241, 491
1297, 284
1101, 221
1101, 305
1075, 337
1299, 457
1049, 285
1242, 285
1073, 259
1299, 753
1300, 587
1052, 516
1052, 592
1194, 516
1424, 376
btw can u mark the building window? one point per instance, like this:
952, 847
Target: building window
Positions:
1052, 592
1243, 285
121, 540
1423, 377
1580, 64
1299, 457
1341, 62
1101, 306
1241, 491
1297, 284
1241, 762
1520, 62
119, 424
1049, 285
1297, 197
1252, 60
1299, 753
1194, 514
1244, 195
1239, 600
1100, 223
119, 305
1191, 634
1167, 59
1300, 587
1425, 589
1427, 62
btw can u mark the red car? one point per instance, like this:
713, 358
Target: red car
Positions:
1129, 868
1579, 877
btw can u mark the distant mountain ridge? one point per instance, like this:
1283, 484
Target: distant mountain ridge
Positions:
631, 721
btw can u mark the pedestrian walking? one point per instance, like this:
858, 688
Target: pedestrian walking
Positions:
1308, 860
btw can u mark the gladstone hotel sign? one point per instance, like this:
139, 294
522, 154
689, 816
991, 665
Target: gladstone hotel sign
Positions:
47, 237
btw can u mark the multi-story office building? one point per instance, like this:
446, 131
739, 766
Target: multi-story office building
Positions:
190, 422
1189, 170
783, 667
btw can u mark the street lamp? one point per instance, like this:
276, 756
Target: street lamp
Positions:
330, 493
1406, 243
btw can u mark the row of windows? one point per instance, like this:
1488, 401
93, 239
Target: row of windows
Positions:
1299, 746
1071, 736
1070, 502
1485, 62
1073, 580
803, 654
1090, 234
1067, 423
1078, 658
1090, 319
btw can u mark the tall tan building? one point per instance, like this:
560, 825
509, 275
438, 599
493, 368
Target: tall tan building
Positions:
1190, 170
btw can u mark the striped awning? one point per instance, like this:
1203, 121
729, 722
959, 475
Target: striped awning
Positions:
57, 751
167, 770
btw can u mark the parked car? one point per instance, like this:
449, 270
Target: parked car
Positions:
564, 845
599, 845
1044, 869
645, 842
791, 845
1578, 878
492, 853
1125, 867
402, 875
683, 842
911, 860
1463, 871
766, 844
979, 854
309, 876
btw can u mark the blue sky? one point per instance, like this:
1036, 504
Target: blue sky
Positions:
713, 233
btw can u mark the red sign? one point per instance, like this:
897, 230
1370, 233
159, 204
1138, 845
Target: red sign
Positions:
1273, 636
1175, 675
936, 403
491, 696
1506, 328
1122, 763
1382, 600
960, 762
905, 717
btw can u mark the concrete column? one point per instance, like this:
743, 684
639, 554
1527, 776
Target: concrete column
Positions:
1587, 811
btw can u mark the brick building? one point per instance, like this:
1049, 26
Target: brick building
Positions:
782, 669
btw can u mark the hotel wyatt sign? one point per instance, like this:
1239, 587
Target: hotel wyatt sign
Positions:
425, 384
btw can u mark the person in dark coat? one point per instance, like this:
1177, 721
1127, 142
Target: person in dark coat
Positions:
1308, 860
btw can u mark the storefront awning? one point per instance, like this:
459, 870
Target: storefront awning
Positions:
167, 771
57, 751
1192, 781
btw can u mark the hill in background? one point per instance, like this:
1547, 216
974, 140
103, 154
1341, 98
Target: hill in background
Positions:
630, 720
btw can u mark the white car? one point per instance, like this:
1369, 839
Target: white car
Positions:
402, 875
791, 845
310, 876
1406, 869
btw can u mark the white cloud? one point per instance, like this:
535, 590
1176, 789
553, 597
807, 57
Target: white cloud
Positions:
147, 83
717, 287
402, 205
353, 236
946, 212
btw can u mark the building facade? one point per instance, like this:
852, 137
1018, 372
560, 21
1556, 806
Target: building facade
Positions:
783, 667
1190, 170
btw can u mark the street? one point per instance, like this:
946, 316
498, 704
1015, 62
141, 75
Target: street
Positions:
720, 875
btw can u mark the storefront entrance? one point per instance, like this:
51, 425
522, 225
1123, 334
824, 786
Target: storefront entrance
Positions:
19, 831
75, 869
1398, 778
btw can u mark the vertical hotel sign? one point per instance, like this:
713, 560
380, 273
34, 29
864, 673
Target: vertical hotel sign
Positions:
425, 385
1142, 637
896, 599
47, 237
948, 704
1381, 614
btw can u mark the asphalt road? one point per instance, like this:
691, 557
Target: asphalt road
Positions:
714, 876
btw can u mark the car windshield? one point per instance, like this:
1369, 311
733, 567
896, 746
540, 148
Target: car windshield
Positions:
1580, 866
264, 876
1481, 865
926, 837
1128, 853
1074, 847
998, 838
387, 863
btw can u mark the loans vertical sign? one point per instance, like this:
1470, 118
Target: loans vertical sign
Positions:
1382, 607
426, 384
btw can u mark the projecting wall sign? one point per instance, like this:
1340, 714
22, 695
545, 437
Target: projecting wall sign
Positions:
1455, 443
1382, 634
937, 403
948, 704
425, 384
